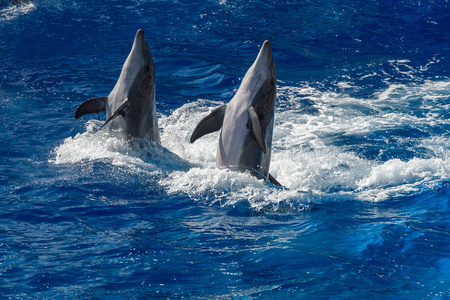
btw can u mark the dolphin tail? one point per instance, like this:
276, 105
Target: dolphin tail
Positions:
91, 106
273, 180
210, 123
119, 112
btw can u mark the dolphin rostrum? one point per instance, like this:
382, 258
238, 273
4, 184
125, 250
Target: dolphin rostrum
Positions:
131, 104
245, 141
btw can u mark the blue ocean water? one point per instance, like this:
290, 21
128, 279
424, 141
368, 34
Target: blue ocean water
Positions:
361, 143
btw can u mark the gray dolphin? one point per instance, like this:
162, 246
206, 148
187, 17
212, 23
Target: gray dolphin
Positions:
245, 141
131, 103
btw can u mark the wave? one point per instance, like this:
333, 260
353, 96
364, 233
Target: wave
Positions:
117, 149
327, 146
11, 10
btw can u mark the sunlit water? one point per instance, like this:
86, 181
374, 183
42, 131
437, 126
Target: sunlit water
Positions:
360, 145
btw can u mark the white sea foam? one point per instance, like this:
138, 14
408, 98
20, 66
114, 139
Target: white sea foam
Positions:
307, 156
14, 11
117, 149
304, 158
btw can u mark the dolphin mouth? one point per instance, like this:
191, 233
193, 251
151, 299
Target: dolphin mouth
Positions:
140, 35
139, 39
266, 48
266, 54
139, 44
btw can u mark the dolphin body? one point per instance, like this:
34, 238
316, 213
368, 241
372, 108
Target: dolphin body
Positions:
245, 141
131, 104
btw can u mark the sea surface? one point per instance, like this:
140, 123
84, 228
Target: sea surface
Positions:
361, 144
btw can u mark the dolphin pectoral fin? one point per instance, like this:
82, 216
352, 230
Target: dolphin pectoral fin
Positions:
210, 123
120, 111
255, 129
273, 180
91, 106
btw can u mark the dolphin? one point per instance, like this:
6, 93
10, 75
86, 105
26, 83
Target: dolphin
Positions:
131, 104
245, 141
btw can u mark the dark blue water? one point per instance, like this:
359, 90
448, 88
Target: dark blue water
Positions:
361, 141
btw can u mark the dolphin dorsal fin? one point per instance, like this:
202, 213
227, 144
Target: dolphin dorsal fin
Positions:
255, 128
210, 123
120, 111
91, 106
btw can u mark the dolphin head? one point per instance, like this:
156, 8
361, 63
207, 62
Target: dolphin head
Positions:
261, 76
140, 49
264, 62
264, 93
139, 62
137, 74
